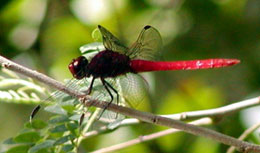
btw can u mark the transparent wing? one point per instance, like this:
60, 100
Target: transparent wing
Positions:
147, 46
100, 93
59, 95
133, 89
111, 42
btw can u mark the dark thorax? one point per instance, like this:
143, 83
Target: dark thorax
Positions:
108, 64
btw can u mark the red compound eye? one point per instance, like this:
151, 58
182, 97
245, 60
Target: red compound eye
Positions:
78, 67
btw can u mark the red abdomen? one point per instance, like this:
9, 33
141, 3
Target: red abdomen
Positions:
146, 66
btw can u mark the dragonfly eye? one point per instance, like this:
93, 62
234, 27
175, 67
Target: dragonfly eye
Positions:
78, 67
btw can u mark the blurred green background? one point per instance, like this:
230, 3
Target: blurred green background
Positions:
46, 35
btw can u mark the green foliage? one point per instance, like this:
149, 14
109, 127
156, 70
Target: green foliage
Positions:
39, 136
19, 149
27, 137
36, 124
59, 134
16, 90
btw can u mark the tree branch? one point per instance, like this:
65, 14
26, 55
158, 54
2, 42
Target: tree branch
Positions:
143, 116
213, 113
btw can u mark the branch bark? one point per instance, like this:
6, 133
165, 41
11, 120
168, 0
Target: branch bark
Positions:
143, 116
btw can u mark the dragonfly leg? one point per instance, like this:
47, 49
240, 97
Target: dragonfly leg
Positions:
117, 95
106, 87
34, 112
109, 92
90, 87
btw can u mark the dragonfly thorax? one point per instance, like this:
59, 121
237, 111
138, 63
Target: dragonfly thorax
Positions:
108, 64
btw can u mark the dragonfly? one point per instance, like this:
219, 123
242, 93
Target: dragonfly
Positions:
116, 59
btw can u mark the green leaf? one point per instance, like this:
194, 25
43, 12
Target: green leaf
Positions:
19, 149
59, 119
69, 108
92, 47
9, 141
44, 145
73, 127
67, 147
55, 109
36, 124
58, 129
64, 139
75, 117
27, 137
96, 35
68, 101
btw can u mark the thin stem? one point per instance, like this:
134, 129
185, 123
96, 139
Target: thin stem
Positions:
213, 113
12, 82
217, 112
244, 135
203, 121
143, 116
90, 122
102, 129
159, 120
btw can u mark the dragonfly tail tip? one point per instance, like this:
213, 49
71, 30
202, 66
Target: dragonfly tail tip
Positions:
235, 61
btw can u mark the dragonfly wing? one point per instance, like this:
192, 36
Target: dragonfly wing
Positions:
133, 88
147, 46
100, 93
111, 42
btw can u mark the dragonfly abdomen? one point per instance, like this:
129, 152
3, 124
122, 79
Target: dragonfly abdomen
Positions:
146, 66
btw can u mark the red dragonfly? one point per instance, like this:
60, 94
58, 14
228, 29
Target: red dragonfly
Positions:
116, 59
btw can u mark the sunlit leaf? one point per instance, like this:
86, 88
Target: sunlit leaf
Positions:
92, 47
96, 35
69, 108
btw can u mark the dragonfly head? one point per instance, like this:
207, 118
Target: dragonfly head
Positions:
78, 67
